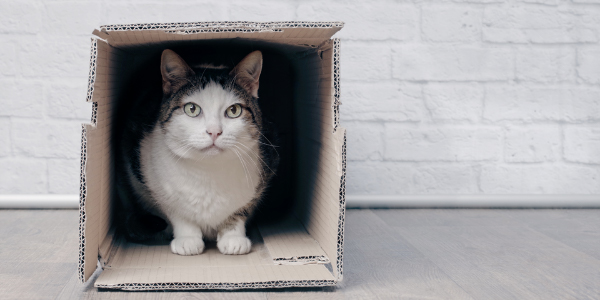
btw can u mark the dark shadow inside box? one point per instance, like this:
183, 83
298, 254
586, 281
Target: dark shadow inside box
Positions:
285, 96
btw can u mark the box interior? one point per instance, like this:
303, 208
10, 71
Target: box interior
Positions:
298, 233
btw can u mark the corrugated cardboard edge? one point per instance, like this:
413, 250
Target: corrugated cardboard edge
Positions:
221, 285
301, 260
225, 26
83, 163
336, 83
336, 113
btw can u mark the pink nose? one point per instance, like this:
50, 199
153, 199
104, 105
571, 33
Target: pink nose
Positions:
214, 133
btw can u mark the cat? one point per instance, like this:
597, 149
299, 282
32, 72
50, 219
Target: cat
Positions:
195, 163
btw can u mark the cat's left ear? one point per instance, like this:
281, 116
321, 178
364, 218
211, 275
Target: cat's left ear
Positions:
175, 71
247, 72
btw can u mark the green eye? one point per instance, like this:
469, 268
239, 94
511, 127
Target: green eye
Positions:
192, 109
234, 111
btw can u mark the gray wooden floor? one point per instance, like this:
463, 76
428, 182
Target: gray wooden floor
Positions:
389, 254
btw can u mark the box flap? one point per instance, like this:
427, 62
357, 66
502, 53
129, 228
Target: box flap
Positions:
137, 266
296, 33
222, 277
290, 244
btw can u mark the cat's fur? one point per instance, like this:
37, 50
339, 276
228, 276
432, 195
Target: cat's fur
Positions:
203, 175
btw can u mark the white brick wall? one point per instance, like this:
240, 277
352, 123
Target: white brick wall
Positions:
439, 97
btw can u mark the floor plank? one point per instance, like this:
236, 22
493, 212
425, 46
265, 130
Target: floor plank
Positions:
501, 257
577, 228
389, 254
38, 252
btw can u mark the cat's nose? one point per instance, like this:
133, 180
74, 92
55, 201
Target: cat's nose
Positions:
214, 133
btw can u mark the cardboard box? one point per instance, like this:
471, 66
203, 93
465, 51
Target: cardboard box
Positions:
303, 250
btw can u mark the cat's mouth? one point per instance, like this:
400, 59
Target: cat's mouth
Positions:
212, 147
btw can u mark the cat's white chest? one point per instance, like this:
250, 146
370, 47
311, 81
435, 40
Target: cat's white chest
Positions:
202, 192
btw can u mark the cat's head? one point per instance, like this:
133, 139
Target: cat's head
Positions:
211, 111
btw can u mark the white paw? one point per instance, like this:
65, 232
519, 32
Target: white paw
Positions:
187, 245
234, 244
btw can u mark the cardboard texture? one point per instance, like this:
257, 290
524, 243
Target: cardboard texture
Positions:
304, 250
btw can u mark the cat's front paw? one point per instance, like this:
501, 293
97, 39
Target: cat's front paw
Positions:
187, 245
234, 244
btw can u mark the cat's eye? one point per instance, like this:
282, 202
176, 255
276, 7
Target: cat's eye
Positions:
192, 109
234, 111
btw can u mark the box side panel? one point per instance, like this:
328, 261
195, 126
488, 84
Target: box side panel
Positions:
295, 33
96, 154
320, 158
86, 265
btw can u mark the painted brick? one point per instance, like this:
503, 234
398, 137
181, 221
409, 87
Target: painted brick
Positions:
532, 143
449, 23
450, 63
365, 21
588, 64
63, 176
454, 101
411, 64
410, 178
480, 1
195, 12
366, 62
383, 178
8, 51
145, 12
449, 179
442, 143
56, 58
582, 144
365, 140
382, 102
540, 179
4, 136
545, 2
21, 98
72, 18
541, 103
535, 24
46, 138
266, 11
23, 175
546, 65
67, 100
20, 17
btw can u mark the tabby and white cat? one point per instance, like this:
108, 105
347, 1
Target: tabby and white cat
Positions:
200, 163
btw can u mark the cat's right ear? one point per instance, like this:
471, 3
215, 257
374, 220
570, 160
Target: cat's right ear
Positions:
175, 72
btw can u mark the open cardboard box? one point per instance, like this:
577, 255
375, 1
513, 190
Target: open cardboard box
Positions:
303, 249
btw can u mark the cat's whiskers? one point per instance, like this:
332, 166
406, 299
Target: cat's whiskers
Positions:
243, 166
270, 144
257, 168
251, 139
201, 159
184, 153
255, 154
172, 152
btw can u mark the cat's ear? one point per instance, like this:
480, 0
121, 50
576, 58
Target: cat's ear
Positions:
247, 72
175, 71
